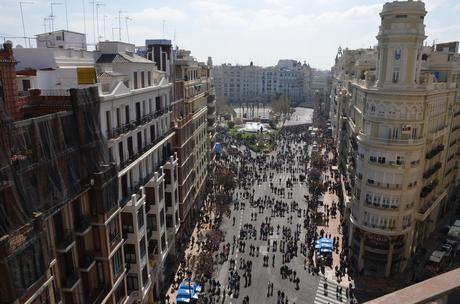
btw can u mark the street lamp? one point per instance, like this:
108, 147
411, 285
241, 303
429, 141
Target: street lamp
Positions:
22, 17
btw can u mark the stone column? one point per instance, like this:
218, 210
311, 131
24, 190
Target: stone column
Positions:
361, 253
389, 260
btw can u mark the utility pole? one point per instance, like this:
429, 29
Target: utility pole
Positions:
98, 4
113, 33
84, 16
126, 24
45, 20
23, 25
119, 24
105, 36
52, 14
94, 23
66, 16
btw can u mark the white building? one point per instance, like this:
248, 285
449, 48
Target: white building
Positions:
395, 111
135, 118
251, 83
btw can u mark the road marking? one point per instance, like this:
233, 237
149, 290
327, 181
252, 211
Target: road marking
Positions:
331, 296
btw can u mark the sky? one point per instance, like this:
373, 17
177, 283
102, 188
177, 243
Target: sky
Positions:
231, 31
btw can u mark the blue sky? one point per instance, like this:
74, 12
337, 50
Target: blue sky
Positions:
236, 31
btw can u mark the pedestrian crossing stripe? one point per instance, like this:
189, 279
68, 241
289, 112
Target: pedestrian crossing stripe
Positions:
331, 297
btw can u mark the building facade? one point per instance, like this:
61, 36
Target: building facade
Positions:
60, 234
394, 112
135, 119
238, 84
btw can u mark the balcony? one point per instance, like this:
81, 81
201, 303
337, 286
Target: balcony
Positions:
428, 206
427, 189
87, 261
390, 141
369, 203
433, 135
435, 151
65, 242
69, 282
82, 225
427, 174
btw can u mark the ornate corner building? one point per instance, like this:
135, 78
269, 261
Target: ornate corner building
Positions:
395, 113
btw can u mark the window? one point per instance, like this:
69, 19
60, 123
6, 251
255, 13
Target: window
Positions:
169, 221
152, 222
127, 223
168, 199
395, 76
130, 253
113, 229
142, 79
25, 84
167, 176
162, 217
381, 160
100, 272
142, 247
127, 116
140, 218
163, 242
397, 53
372, 158
145, 277
120, 293
135, 80
132, 282
116, 263
149, 78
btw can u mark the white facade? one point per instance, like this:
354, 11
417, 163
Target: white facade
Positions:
135, 118
395, 113
252, 83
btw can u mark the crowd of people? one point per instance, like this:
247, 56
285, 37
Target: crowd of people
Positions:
279, 221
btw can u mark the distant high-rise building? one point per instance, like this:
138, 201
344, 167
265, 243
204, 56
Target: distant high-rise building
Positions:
395, 112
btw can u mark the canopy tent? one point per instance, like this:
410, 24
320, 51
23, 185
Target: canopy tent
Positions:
188, 291
324, 245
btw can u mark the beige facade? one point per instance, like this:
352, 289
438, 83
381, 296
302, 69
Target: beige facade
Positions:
395, 112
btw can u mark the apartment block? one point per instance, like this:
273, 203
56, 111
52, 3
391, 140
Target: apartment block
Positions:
60, 234
395, 114
237, 83
136, 120
191, 141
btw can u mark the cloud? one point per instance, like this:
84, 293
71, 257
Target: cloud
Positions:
219, 12
162, 13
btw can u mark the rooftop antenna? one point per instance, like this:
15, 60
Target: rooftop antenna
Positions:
98, 4
126, 24
119, 24
23, 25
66, 15
52, 14
105, 36
94, 23
45, 20
84, 16
113, 33
174, 37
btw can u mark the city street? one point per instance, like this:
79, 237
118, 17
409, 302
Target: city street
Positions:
310, 287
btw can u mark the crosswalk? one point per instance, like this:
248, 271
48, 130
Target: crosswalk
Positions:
331, 296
